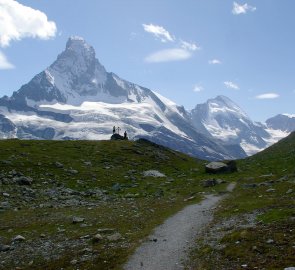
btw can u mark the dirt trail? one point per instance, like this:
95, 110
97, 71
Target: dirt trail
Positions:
166, 247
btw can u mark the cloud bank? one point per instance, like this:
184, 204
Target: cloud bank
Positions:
18, 21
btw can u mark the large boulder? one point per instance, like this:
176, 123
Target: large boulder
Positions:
221, 167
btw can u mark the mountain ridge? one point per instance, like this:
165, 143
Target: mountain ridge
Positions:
77, 98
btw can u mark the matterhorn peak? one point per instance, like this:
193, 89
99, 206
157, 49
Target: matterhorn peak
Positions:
77, 59
79, 45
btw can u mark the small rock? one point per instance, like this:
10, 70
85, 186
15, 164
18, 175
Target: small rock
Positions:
72, 171
78, 220
116, 187
58, 164
97, 238
88, 163
74, 262
270, 190
23, 180
4, 248
153, 173
5, 205
189, 199
209, 183
114, 237
289, 191
270, 241
18, 238
290, 268
5, 194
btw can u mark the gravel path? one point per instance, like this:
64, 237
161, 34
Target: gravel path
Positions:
166, 247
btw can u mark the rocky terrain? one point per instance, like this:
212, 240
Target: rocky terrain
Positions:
89, 204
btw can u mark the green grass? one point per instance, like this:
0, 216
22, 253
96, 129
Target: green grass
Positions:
112, 162
142, 203
272, 199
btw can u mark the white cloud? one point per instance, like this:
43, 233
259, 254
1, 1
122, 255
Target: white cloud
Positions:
198, 88
184, 49
267, 96
18, 21
214, 62
159, 32
191, 46
231, 85
242, 9
4, 63
168, 55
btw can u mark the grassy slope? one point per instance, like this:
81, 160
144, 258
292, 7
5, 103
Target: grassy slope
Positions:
43, 220
270, 243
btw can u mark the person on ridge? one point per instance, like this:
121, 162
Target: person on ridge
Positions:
125, 135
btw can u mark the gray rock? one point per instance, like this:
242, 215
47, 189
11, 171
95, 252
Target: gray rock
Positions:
5, 205
270, 241
289, 191
209, 183
153, 173
58, 164
221, 167
116, 187
76, 220
87, 163
271, 190
23, 180
4, 248
114, 237
72, 171
74, 262
97, 238
18, 238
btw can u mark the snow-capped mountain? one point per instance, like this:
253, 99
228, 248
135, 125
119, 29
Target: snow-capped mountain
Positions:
283, 122
225, 121
76, 98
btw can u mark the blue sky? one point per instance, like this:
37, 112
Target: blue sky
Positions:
188, 51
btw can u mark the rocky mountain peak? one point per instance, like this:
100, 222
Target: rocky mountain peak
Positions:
78, 45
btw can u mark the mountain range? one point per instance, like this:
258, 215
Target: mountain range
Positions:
75, 98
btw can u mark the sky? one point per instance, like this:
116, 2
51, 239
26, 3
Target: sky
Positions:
188, 51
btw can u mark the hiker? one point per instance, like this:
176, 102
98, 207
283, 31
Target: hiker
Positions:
125, 135
114, 129
118, 130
